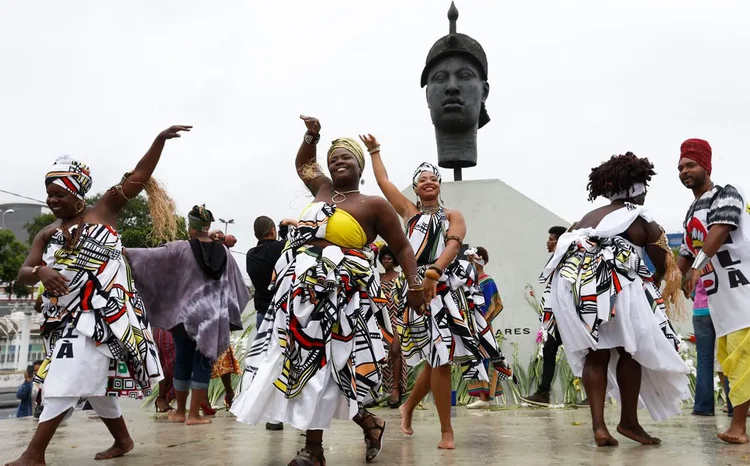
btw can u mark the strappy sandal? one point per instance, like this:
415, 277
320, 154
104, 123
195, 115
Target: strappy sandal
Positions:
306, 457
395, 404
207, 409
373, 448
156, 405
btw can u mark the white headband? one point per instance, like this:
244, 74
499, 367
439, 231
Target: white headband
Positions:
473, 255
634, 191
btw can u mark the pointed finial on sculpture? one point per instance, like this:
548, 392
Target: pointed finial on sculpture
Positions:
452, 18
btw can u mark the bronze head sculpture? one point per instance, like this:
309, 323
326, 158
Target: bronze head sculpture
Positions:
455, 74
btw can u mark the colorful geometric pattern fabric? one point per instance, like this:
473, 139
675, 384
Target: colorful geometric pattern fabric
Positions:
491, 308
99, 282
226, 364
453, 329
332, 316
71, 175
393, 294
598, 269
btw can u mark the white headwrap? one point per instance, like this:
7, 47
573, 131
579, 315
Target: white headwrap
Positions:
636, 190
474, 256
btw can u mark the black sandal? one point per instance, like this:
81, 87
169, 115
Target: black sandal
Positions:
306, 457
372, 448
156, 405
395, 404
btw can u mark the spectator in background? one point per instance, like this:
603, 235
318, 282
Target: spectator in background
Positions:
260, 262
25, 391
552, 343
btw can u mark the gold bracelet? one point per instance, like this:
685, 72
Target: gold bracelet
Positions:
419, 288
432, 274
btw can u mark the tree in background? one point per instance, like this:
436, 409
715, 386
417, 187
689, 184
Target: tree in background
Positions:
134, 224
38, 224
12, 255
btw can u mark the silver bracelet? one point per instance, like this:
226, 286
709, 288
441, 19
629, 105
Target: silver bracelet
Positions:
701, 261
312, 138
374, 149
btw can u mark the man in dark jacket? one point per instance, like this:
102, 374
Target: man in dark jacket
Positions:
260, 263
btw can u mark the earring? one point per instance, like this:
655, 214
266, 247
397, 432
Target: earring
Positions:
80, 205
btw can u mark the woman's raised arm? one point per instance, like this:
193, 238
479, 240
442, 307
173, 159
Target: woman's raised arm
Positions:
115, 199
405, 208
306, 163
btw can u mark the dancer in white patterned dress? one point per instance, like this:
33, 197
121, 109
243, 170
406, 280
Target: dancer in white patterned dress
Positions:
98, 340
608, 309
453, 329
317, 350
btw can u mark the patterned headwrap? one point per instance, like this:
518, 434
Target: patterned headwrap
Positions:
200, 218
425, 167
71, 175
351, 146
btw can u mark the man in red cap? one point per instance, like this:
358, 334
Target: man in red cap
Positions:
716, 250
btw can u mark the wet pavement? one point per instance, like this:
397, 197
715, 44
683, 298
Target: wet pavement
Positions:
522, 436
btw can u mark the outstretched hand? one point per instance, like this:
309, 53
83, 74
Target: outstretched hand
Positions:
369, 141
174, 131
312, 124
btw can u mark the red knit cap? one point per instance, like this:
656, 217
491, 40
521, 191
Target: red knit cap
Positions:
697, 150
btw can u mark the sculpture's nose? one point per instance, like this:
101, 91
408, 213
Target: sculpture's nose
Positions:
452, 86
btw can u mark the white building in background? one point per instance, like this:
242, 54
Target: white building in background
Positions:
514, 230
15, 215
20, 343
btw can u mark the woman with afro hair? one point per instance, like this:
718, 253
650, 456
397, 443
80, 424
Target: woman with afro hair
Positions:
608, 307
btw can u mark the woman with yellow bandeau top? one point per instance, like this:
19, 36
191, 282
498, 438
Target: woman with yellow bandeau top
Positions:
316, 353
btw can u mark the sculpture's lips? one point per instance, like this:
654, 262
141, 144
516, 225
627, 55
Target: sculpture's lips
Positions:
453, 104
453, 107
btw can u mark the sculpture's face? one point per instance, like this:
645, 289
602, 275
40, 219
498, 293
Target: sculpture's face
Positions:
455, 93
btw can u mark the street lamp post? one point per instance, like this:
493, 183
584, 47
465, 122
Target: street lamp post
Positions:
9, 211
226, 224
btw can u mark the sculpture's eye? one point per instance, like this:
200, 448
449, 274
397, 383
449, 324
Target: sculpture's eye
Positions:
465, 74
440, 76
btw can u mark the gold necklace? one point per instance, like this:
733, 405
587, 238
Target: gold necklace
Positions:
430, 209
336, 194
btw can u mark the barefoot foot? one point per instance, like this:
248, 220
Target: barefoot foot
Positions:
446, 442
734, 436
636, 432
406, 420
27, 461
197, 420
119, 448
603, 438
175, 416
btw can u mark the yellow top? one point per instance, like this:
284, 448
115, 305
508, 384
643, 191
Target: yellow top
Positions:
345, 231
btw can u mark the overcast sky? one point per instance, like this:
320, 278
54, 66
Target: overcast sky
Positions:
571, 84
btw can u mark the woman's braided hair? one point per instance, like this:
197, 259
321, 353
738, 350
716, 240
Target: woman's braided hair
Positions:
618, 174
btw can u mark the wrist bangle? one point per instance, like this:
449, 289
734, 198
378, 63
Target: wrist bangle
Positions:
374, 149
419, 288
35, 270
432, 274
454, 238
701, 261
312, 138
